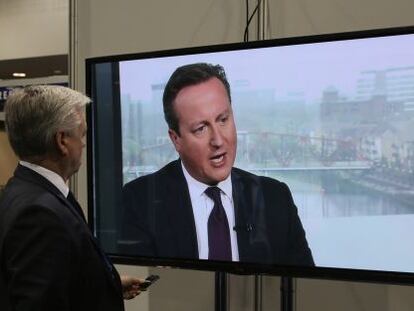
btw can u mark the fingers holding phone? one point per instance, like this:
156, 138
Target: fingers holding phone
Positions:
151, 279
130, 286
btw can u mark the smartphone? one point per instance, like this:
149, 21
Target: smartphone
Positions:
148, 281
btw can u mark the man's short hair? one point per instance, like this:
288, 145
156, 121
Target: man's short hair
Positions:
188, 75
34, 114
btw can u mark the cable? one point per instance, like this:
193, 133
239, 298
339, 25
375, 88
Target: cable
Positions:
246, 30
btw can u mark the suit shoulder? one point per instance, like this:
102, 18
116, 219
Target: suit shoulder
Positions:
169, 171
21, 193
270, 186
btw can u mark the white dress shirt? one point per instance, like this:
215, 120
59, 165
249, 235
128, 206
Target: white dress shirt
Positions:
202, 206
54, 178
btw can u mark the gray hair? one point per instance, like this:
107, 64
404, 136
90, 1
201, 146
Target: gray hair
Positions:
34, 114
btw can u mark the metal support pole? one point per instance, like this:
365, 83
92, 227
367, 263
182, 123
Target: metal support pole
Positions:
258, 288
262, 20
220, 292
286, 294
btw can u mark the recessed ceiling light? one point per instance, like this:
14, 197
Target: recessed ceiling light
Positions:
19, 74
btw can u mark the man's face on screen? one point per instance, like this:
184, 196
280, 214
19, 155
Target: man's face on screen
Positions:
207, 140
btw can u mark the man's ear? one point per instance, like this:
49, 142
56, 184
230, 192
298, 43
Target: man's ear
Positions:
61, 139
175, 138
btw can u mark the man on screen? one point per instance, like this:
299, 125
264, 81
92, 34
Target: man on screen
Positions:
200, 206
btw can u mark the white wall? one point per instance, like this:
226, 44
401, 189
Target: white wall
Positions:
106, 27
31, 28
306, 17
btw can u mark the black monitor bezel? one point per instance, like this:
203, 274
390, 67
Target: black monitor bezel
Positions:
359, 275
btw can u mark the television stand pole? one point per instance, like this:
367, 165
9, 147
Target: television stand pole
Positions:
258, 287
286, 293
220, 292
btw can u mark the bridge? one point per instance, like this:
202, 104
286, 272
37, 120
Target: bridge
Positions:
356, 165
273, 151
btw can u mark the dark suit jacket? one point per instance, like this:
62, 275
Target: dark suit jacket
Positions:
158, 219
48, 258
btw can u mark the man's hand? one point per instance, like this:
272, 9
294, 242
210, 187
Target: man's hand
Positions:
130, 286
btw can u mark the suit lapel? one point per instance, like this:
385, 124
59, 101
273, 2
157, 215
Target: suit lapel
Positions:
180, 212
242, 215
249, 209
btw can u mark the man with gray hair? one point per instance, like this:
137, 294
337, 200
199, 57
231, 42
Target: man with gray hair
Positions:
49, 260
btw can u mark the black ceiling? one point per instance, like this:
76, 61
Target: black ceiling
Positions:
34, 67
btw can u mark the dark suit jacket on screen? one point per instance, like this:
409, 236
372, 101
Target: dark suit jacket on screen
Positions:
158, 219
49, 259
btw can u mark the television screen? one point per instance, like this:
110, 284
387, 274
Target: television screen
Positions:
320, 132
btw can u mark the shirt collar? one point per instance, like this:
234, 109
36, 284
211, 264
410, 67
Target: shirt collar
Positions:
196, 187
51, 176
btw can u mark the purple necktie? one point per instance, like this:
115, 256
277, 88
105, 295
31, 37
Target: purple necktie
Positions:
219, 246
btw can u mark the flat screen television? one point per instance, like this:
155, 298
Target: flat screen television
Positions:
331, 116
